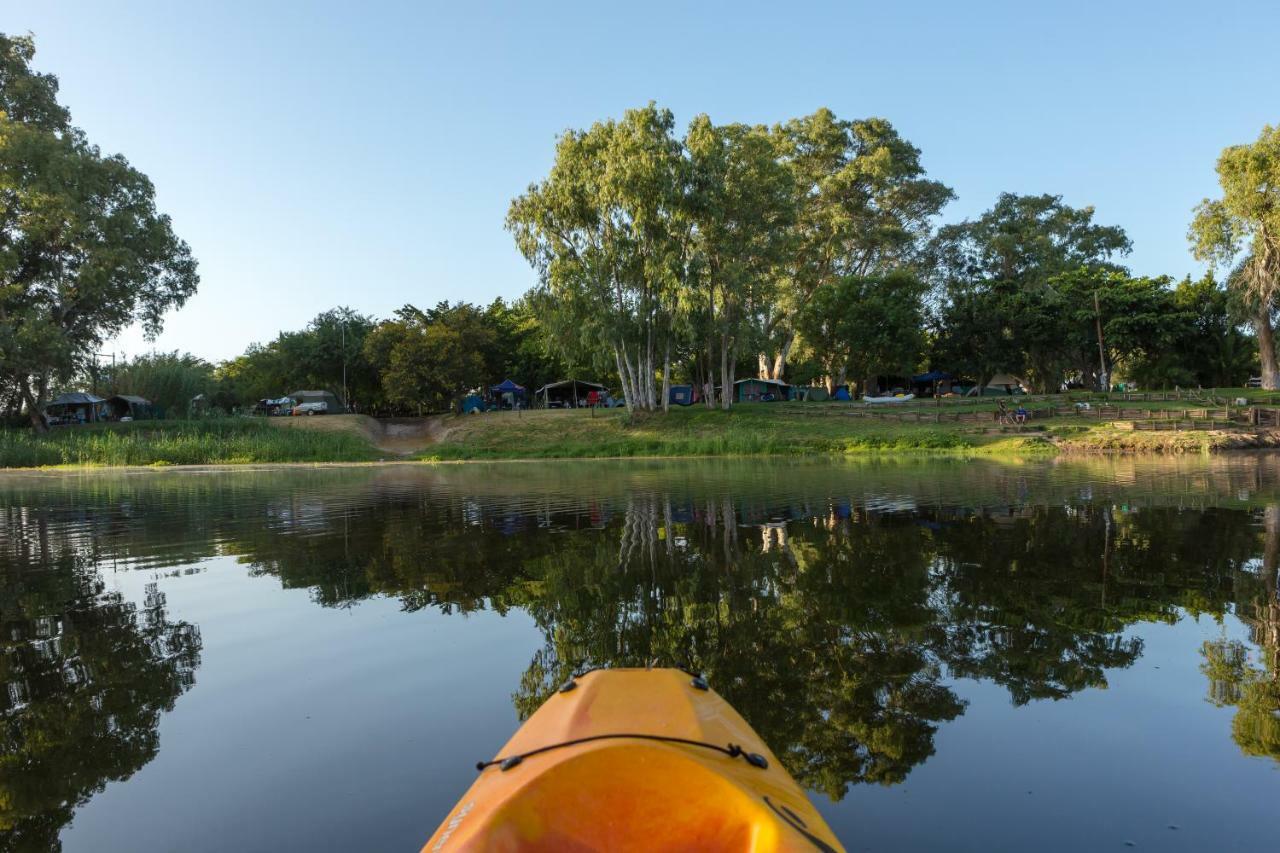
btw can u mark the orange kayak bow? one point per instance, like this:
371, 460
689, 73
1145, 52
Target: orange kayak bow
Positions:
634, 759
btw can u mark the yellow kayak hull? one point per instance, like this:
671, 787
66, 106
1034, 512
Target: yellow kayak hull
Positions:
634, 759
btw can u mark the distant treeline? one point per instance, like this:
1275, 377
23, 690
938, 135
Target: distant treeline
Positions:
416, 362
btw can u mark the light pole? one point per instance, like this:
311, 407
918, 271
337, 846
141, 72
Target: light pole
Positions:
1102, 353
346, 401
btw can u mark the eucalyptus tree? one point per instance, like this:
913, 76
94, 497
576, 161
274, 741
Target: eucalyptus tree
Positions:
1245, 224
741, 210
83, 251
602, 233
864, 206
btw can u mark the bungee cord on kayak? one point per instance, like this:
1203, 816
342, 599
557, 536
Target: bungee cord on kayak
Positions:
733, 750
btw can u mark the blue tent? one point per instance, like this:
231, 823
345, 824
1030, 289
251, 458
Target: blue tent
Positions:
932, 376
506, 386
842, 393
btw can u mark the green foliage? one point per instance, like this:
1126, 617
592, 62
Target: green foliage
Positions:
741, 208
426, 359
864, 326
1002, 297
709, 246
1205, 345
863, 206
1245, 223
83, 251
169, 380
1247, 217
313, 357
604, 234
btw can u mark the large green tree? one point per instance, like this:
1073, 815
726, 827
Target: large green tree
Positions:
428, 358
601, 233
864, 206
740, 208
83, 251
1206, 347
863, 326
1245, 223
994, 282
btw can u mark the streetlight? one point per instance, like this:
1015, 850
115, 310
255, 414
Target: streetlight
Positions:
346, 401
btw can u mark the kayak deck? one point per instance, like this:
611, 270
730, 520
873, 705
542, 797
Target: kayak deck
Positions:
634, 759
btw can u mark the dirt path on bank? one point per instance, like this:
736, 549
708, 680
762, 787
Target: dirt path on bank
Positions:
397, 436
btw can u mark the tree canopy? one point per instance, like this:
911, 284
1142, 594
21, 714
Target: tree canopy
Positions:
1244, 225
83, 250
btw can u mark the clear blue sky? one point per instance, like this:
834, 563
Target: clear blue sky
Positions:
316, 154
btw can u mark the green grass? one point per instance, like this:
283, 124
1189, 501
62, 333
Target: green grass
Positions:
793, 429
204, 442
749, 429
752, 429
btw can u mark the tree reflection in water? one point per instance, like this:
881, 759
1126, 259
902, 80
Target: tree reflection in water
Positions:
85, 676
836, 625
1234, 679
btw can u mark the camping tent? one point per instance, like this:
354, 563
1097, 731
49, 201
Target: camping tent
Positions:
509, 394
506, 386
129, 406
816, 394
750, 390
1005, 383
76, 406
334, 406
568, 392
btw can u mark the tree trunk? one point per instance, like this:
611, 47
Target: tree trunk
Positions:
1267, 348
647, 369
780, 362
709, 389
841, 377
776, 367
724, 373
628, 396
666, 377
34, 407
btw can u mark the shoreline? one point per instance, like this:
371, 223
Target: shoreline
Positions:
749, 431
1050, 451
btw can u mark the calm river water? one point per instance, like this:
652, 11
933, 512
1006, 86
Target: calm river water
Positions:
1068, 655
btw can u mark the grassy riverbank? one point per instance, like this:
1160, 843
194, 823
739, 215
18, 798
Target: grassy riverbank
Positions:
747, 430
803, 429
205, 442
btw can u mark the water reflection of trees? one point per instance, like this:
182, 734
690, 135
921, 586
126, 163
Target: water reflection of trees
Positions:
85, 676
831, 623
1239, 677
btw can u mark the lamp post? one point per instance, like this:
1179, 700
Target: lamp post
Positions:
346, 400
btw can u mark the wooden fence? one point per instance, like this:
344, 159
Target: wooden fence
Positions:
939, 414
